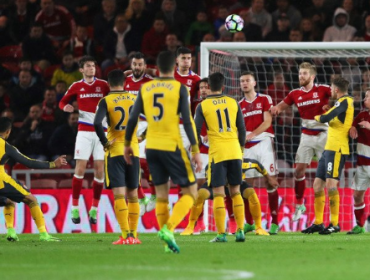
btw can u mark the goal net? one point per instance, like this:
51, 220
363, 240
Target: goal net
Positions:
276, 67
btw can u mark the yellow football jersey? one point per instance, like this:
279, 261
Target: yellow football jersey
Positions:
118, 108
220, 114
340, 118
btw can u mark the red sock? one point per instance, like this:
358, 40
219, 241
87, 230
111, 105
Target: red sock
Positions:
97, 189
140, 192
274, 206
360, 214
76, 189
229, 206
152, 189
248, 215
299, 187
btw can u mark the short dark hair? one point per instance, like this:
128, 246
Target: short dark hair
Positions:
61, 82
204, 80
216, 81
37, 24
116, 78
165, 62
5, 124
248, 73
341, 83
183, 50
67, 52
138, 55
84, 59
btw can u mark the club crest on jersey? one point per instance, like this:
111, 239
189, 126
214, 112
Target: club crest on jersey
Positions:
98, 89
189, 82
259, 106
315, 95
337, 104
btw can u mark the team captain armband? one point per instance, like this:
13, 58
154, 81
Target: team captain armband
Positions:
52, 164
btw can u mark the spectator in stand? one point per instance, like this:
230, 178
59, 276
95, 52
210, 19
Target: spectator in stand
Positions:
308, 31
364, 33
174, 18
4, 98
33, 137
351, 72
104, 21
281, 32
319, 11
355, 18
340, 31
62, 141
24, 95
252, 31
139, 19
209, 38
239, 37
222, 14
278, 88
295, 35
21, 16
260, 16
57, 23
357, 99
8, 113
225, 36
172, 43
5, 75
82, 10
6, 37
154, 40
284, 7
118, 43
81, 44
38, 47
60, 89
68, 71
26, 64
365, 81
50, 110
198, 29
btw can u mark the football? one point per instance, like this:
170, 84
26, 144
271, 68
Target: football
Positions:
234, 23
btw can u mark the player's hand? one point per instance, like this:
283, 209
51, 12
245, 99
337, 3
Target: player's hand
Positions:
326, 107
109, 144
205, 140
272, 181
365, 124
60, 161
274, 110
68, 108
249, 137
197, 161
353, 132
127, 155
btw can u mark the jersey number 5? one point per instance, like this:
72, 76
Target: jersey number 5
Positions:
119, 126
158, 105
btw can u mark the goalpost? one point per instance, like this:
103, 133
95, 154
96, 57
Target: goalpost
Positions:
276, 68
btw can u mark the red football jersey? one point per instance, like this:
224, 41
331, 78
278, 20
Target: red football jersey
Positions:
88, 97
133, 86
253, 116
59, 26
309, 104
363, 140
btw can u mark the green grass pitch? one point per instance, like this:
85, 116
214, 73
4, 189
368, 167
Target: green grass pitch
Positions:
281, 257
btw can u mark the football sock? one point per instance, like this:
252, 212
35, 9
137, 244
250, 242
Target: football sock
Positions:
273, 197
133, 214
180, 210
238, 208
9, 215
299, 187
76, 189
334, 206
359, 214
140, 192
120, 208
254, 206
219, 212
97, 186
197, 210
37, 216
247, 212
161, 211
229, 206
319, 207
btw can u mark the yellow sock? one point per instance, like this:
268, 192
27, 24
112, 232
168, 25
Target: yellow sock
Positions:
238, 209
120, 208
319, 207
334, 206
161, 211
254, 206
219, 212
180, 210
197, 209
133, 214
37, 216
9, 215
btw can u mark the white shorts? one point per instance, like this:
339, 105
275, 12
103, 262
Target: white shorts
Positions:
142, 147
309, 146
87, 144
263, 152
202, 173
185, 139
361, 181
